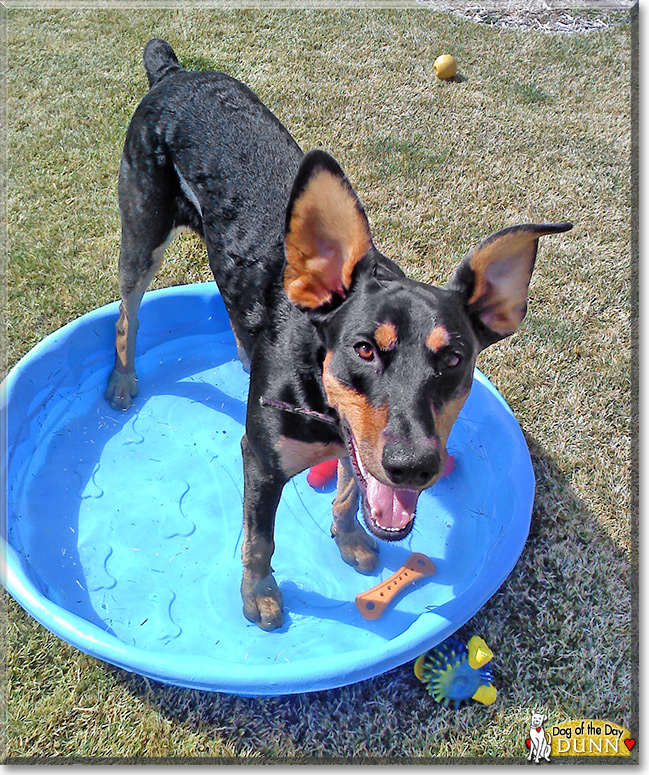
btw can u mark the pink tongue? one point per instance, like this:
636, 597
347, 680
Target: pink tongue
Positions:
390, 508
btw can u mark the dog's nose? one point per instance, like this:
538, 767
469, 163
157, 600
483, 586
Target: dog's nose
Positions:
408, 467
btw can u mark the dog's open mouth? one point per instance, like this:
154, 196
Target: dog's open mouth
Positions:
389, 512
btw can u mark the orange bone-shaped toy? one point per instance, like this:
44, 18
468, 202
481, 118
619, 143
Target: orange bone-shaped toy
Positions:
374, 601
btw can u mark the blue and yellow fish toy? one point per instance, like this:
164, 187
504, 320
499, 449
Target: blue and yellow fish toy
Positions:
455, 672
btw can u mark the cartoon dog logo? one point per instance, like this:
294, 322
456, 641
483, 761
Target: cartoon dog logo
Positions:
538, 742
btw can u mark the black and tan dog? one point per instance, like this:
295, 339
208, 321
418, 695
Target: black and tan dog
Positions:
348, 358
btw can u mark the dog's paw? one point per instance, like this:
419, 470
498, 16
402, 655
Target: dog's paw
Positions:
358, 549
262, 602
121, 389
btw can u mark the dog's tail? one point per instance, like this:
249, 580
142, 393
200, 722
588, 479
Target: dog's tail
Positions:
159, 60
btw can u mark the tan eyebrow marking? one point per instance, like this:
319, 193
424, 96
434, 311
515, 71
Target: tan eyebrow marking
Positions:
437, 339
386, 336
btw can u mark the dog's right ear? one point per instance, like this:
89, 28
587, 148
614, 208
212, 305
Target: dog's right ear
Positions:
326, 233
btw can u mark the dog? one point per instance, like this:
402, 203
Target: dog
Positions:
539, 743
348, 358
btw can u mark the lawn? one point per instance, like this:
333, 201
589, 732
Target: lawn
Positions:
537, 129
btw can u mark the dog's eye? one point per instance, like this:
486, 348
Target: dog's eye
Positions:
364, 350
451, 359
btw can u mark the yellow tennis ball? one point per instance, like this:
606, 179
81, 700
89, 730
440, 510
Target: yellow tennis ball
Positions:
445, 67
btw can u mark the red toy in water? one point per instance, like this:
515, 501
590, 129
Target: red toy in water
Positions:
449, 467
321, 475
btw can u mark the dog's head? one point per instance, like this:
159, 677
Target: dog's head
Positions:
538, 719
400, 354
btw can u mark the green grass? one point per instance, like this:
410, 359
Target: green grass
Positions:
538, 130
530, 93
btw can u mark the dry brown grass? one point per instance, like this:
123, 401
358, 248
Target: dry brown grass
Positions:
538, 130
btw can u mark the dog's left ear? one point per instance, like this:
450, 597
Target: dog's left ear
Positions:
494, 279
326, 233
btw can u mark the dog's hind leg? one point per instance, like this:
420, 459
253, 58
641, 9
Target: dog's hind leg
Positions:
357, 548
147, 229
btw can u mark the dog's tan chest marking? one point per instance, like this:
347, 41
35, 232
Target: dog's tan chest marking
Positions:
437, 339
296, 456
386, 336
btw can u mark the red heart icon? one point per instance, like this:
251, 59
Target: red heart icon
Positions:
629, 743
528, 742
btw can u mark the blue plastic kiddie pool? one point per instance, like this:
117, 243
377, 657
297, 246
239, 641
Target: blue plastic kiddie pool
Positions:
123, 532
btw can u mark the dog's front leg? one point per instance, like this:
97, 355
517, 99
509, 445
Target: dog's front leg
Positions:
357, 548
262, 489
